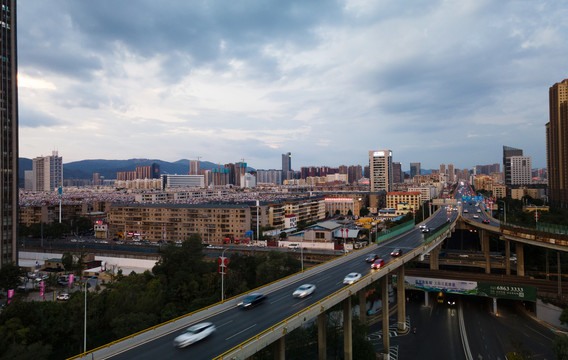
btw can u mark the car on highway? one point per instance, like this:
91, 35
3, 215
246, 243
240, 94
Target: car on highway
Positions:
478, 210
304, 290
351, 278
371, 258
63, 297
378, 264
426, 230
486, 221
396, 252
465, 211
251, 300
194, 333
476, 216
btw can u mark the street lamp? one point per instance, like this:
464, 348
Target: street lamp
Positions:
504, 210
85, 332
223, 274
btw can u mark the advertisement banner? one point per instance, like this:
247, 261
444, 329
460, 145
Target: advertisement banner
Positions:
504, 291
437, 285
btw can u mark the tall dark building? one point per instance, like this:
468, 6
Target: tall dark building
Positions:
509, 152
286, 166
414, 169
9, 138
397, 177
557, 144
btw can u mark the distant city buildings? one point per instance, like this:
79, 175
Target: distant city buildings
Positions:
9, 120
509, 152
194, 167
286, 166
47, 172
397, 176
380, 167
557, 144
176, 181
141, 172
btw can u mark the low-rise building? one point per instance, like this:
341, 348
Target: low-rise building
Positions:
411, 199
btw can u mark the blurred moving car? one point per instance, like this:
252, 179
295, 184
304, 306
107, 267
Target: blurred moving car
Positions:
371, 258
63, 297
251, 300
396, 252
378, 264
304, 290
351, 278
425, 230
194, 333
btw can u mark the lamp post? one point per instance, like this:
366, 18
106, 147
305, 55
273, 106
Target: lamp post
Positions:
223, 274
85, 322
504, 210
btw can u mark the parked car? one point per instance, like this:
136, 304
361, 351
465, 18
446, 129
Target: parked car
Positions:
194, 333
371, 258
396, 252
304, 290
63, 297
378, 264
251, 300
351, 278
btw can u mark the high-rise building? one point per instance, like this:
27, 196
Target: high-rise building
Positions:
240, 171
521, 171
354, 173
286, 166
487, 169
451, 173
194, 167
509, 152
380, 168
148, 172
48, 172
397, 177
557, 144
414, 169
9, 140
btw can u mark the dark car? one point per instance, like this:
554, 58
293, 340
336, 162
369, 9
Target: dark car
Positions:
486, 221
251, 300
396, 252
371, 258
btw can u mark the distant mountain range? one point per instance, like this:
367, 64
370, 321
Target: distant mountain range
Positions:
85, 169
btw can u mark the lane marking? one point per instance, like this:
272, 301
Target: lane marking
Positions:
240, 332
228, 322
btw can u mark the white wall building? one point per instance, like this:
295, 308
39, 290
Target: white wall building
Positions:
47, 172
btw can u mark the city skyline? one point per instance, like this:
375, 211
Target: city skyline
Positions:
455, 80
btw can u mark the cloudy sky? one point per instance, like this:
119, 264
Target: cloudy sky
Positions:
435, 81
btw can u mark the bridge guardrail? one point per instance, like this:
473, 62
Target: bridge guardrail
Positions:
534, 235
395, 230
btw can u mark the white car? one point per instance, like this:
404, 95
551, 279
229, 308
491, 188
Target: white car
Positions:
63, 297
194, 333
351, 278
304, 290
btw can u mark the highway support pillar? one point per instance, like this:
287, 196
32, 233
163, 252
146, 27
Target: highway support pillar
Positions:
322, 335
485, 247
434, 264
363, 306
280, 348
520, 259
507, 258
495, 307
559, 268
400, 300
426, 293
385, 311
347, 330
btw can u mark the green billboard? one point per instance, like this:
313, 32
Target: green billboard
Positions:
504, 291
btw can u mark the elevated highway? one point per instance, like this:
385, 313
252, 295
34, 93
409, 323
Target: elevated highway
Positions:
241, 333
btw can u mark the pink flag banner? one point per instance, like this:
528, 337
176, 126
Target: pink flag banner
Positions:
10, 295
71, 277
42, 289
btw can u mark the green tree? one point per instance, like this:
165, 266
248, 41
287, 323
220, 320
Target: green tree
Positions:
9, 276
67, 261
560, 347
364, 211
